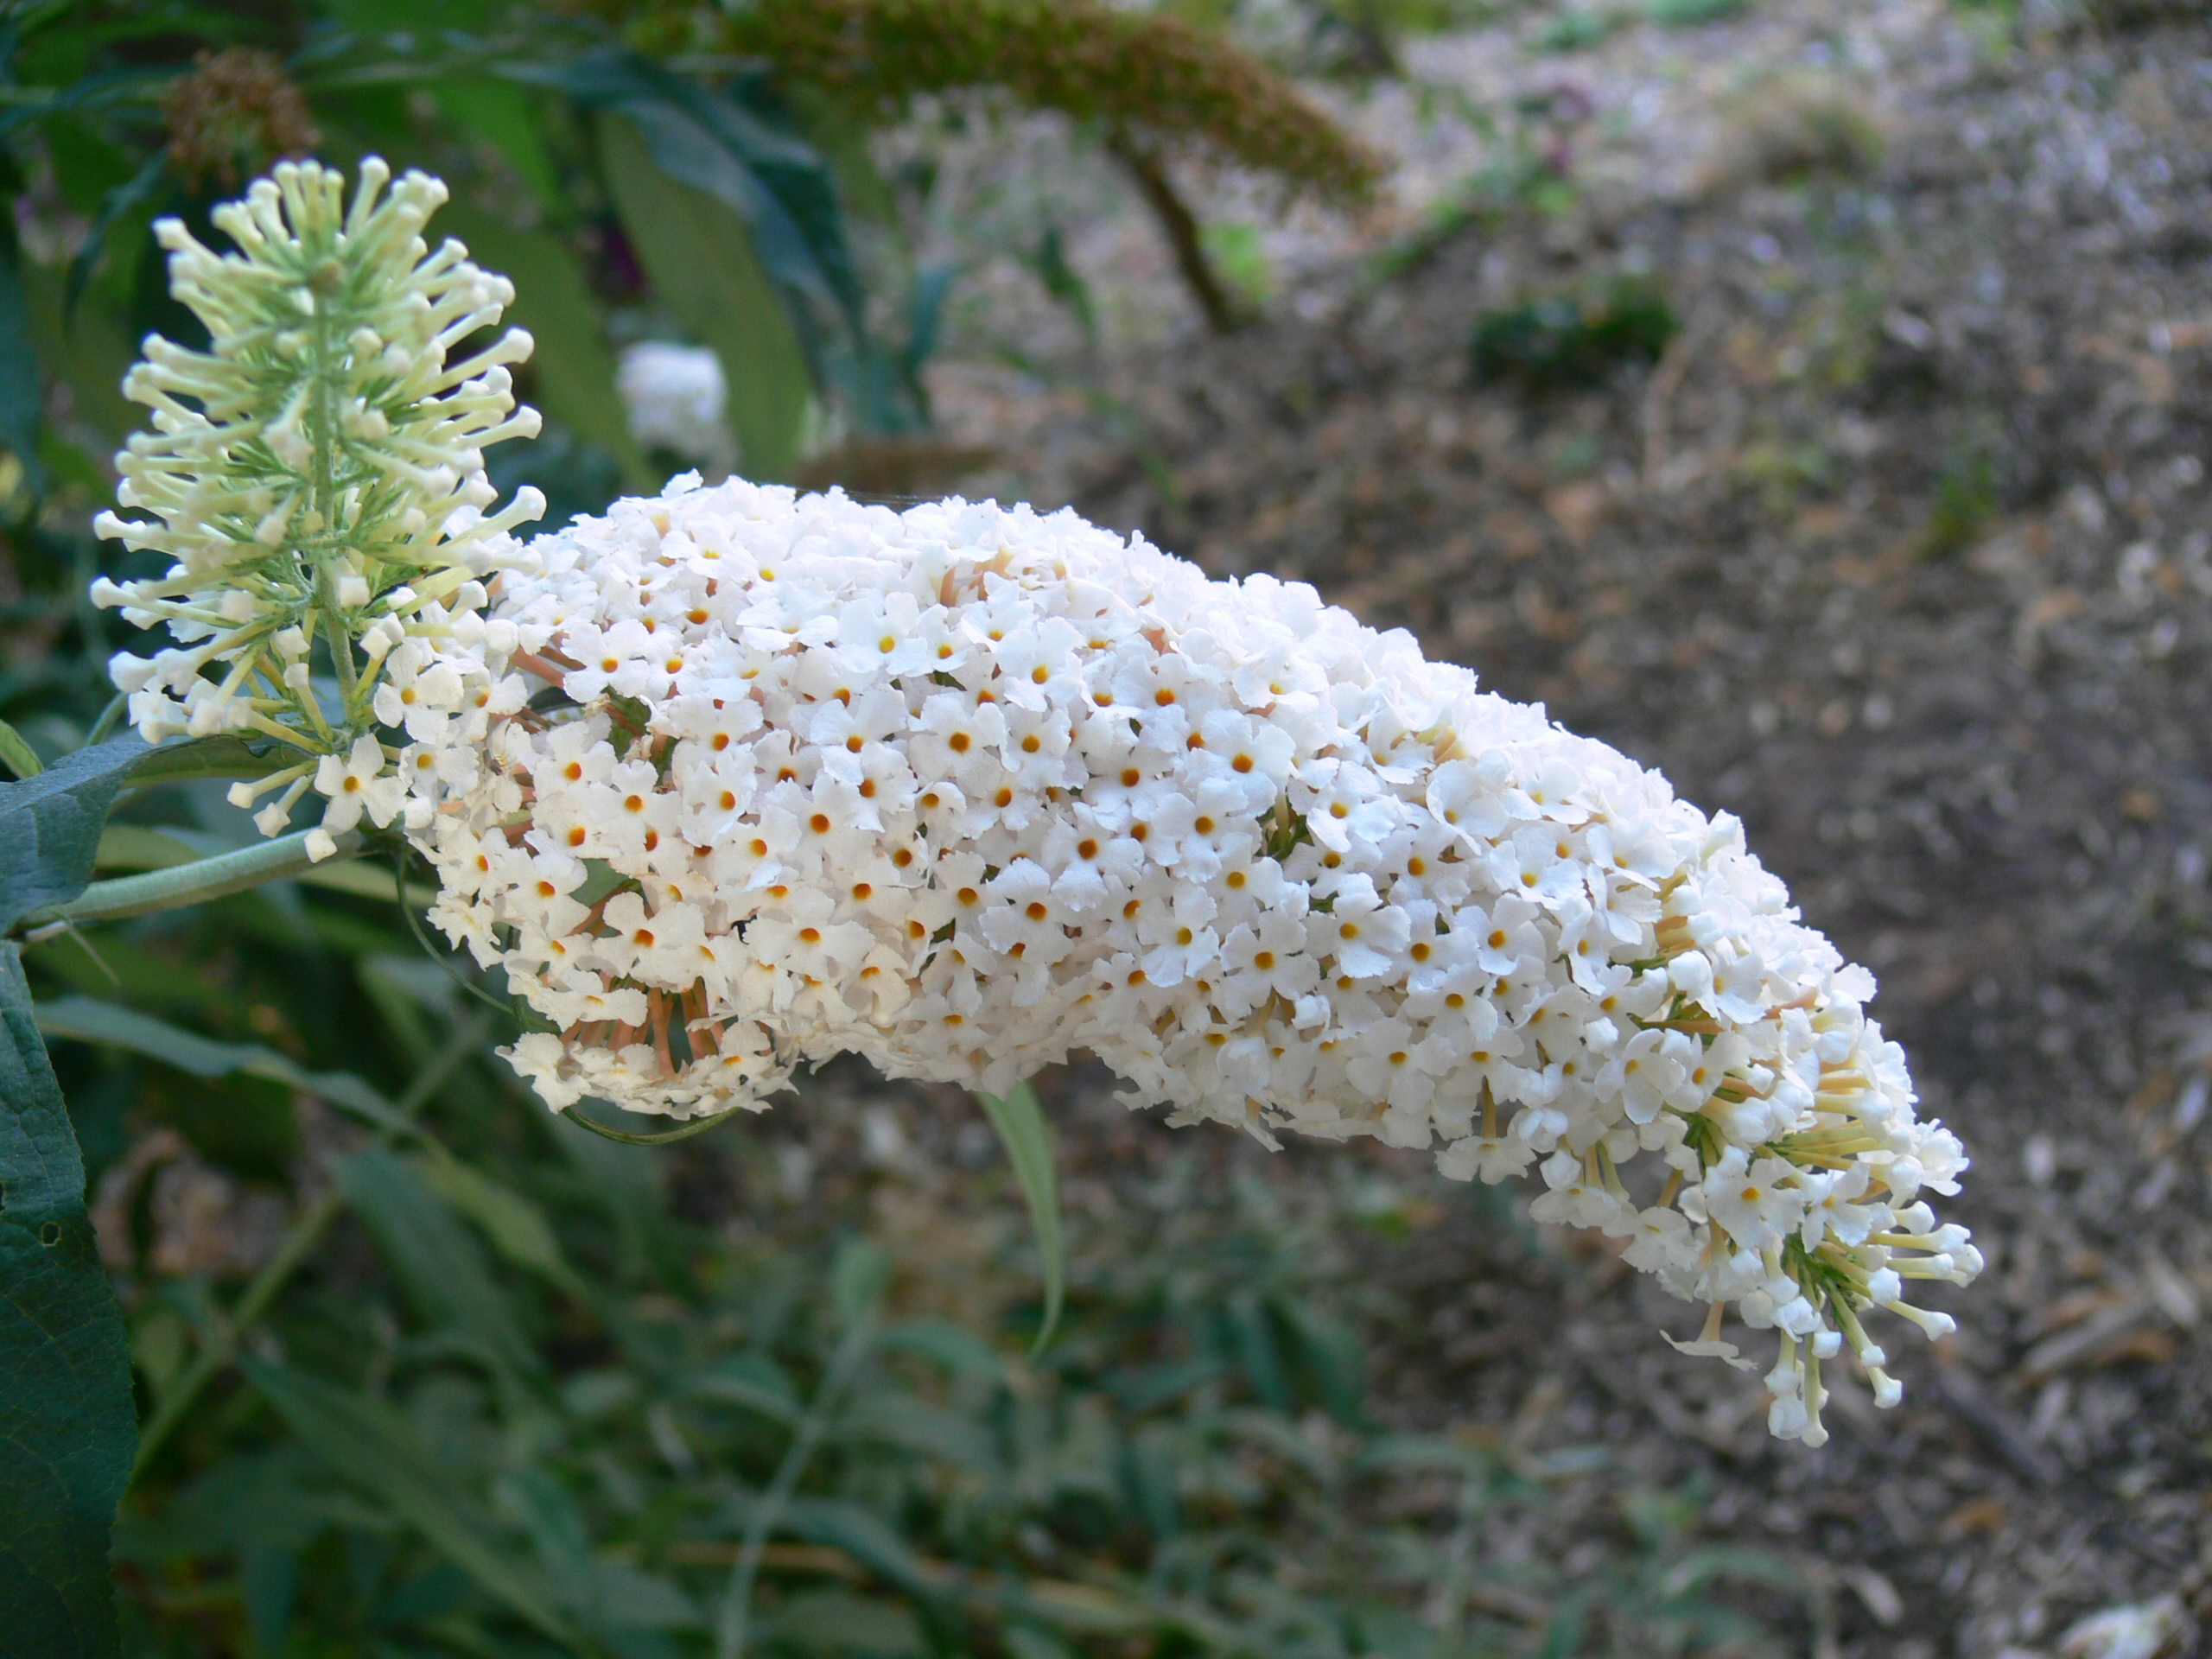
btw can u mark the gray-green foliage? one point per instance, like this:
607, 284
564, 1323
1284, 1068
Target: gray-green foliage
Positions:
50, 826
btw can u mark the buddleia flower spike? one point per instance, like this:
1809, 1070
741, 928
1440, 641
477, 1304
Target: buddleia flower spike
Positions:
317, 476
964, 789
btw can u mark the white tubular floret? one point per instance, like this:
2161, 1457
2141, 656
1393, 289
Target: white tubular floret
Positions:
962, 790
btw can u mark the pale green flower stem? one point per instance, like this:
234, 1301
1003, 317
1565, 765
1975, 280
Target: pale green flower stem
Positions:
189, 884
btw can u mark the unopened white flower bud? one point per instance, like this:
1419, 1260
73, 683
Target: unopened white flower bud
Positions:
236, 477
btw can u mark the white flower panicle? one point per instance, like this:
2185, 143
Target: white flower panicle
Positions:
318, 473
962, 790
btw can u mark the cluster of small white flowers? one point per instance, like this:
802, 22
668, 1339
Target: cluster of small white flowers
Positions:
962, 790
674, 397
319, 473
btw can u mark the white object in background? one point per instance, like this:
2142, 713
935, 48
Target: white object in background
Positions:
675, 397
2151, 1629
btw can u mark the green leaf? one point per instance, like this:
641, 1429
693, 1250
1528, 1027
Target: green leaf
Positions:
203, 757
860, 1274
134, 192
370, 1445
440, 1266
1327, 1358
89, 354
67, 1426
701, 260
20, 384
89, 1021
948, 1346
739, 146
1396, 1453
553, 300
516, 1227
50, 822
1020, 1125
50, 826
814, 1619
893, 1418
752, 1382
864, 1536
16, 754
503, 116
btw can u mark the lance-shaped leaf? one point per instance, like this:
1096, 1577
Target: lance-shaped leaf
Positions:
16, 754
441, 1266
1020, 1123
67, 1427
20, 382
702, 261
553, 300
740, 152
89, 1021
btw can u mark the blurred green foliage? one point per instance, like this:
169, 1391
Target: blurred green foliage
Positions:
1568, 340
526, 1403
1687, 14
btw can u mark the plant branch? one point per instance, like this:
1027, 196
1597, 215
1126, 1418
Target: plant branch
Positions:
190, 884
1223, 314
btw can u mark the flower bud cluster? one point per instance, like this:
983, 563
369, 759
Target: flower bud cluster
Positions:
317, 476
962, 790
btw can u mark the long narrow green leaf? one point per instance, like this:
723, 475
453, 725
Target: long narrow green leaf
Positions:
370, 1445
67, 1427
501, 114
553, 300
440, 1266
516, 1226
703, 264
226, 756
748, 156
1020, 1125
89, 1021
132, 194
20, 384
